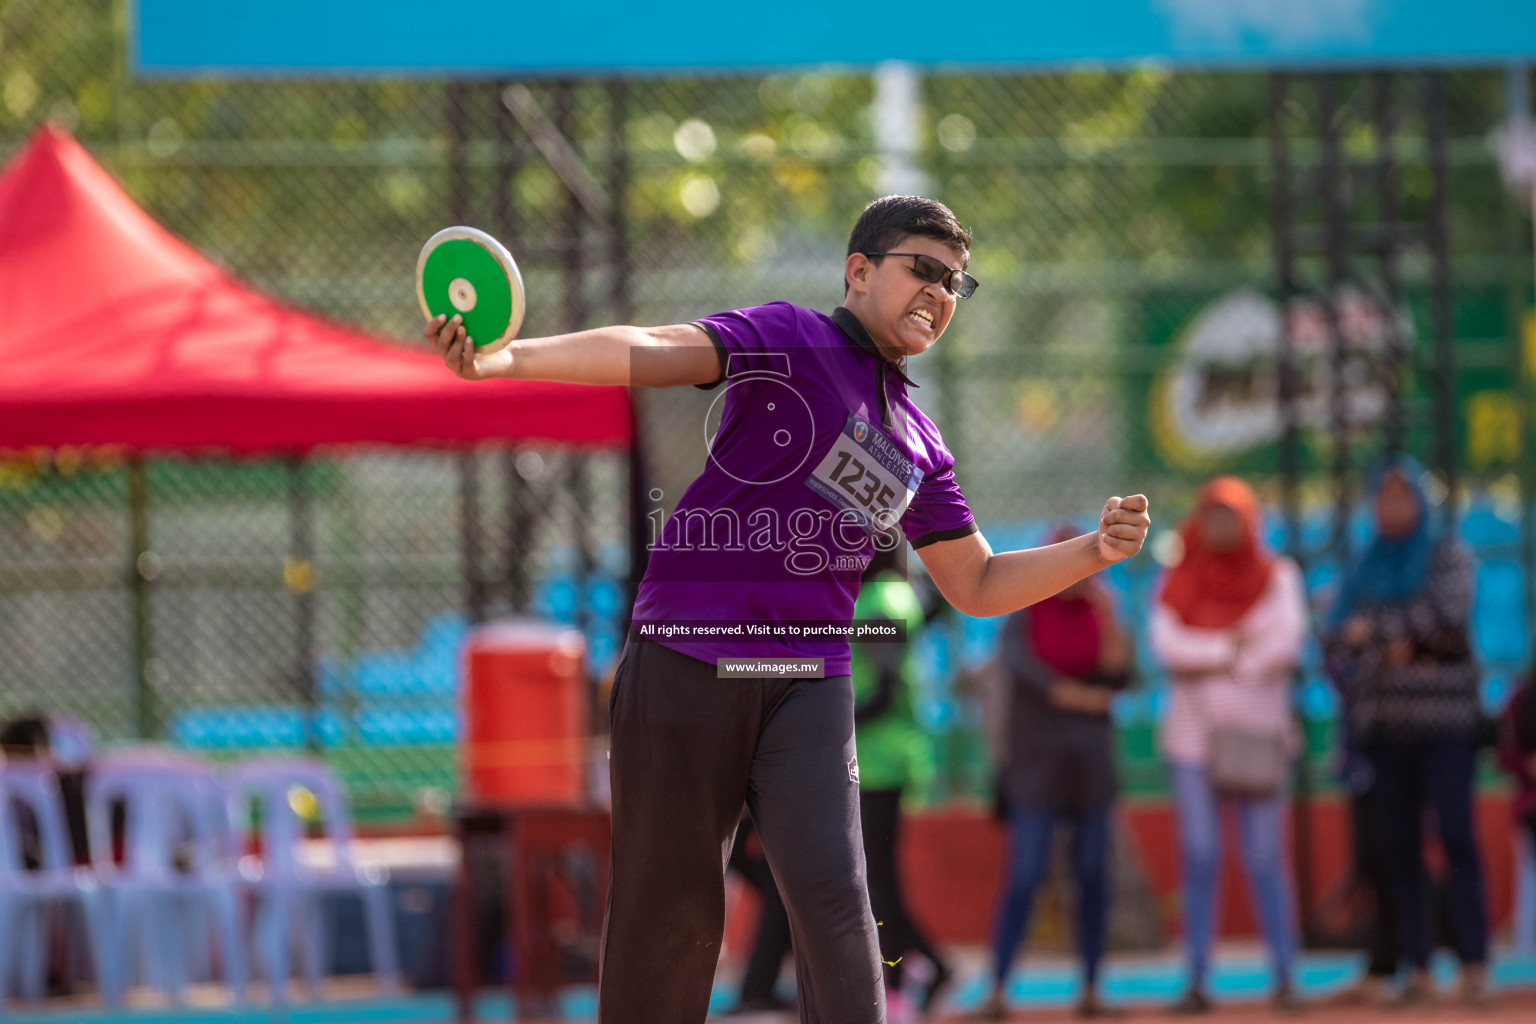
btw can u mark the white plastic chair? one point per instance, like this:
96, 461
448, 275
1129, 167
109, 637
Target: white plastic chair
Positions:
178, 871
288, 889
26, 896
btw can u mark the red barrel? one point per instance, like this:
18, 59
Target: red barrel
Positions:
525, 713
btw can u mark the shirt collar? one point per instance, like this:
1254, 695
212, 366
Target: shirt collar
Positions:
850, 325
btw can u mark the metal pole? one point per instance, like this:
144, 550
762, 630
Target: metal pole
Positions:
471, 543
1440, 258
525, 493
1398, 353
1517, 94
1524, 373
573, 266
1284, 214
621, 311
897, 115
472, 538
579, 482
572, 254
1336, 257
1283, 211
618, 183
519, 523
508, 162
143, 567
1517, 102
1527, 373
299, 576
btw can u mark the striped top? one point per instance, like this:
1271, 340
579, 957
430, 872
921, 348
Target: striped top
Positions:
1238, 677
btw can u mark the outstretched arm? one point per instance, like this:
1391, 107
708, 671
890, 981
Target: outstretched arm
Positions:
656, 357
980, 583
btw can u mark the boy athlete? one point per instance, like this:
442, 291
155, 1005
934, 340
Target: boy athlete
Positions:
820, 458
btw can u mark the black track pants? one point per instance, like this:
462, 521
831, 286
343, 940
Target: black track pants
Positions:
687, 750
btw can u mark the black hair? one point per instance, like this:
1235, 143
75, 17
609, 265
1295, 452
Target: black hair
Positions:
888, 220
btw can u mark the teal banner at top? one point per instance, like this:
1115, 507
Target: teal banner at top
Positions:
309, 38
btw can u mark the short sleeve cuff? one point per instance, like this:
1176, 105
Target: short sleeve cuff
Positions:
938, 535
714, 336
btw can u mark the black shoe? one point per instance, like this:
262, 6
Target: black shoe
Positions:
1287, 1001
1194, 1001
1417, 993
1475, 991
992, 1009
1090, 1007
936, 984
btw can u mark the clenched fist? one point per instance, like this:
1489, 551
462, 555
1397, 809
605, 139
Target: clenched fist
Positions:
1123, 528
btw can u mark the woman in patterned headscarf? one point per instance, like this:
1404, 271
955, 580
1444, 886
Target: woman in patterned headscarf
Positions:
1399, 651
1228, 627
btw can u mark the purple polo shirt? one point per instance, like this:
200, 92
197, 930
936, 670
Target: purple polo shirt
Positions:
819, 451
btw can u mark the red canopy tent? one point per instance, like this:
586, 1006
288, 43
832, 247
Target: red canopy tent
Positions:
114, 331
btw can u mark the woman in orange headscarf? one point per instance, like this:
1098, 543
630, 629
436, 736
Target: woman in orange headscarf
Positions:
1228, 627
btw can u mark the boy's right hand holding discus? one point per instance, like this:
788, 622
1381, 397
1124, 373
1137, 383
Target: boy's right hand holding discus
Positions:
459, 353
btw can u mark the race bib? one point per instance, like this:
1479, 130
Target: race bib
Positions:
865, 473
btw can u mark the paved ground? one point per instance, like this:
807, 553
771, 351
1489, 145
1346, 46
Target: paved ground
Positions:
1143, 986
1510, 1008
1041, 991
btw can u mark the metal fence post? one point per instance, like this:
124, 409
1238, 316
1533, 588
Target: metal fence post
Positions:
1440, 296
301, 578
143, 567
1283, 227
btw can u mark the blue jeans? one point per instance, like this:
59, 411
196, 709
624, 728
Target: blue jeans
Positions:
1030, 841
1263, 849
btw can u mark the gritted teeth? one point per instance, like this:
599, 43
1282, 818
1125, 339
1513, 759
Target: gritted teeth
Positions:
922, 314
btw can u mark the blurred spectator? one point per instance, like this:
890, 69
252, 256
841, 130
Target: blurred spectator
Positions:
1063, 660
1399, 640
1228, 627
1368, 845
67, 744
1369, 850
25, 739
894, 755
1517, 756
1522, 932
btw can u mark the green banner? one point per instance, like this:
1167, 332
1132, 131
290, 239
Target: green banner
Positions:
1213, 403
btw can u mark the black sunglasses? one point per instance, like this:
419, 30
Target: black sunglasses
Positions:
957, 282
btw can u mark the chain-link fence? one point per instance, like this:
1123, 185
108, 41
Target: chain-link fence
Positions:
205, 638
1126, 337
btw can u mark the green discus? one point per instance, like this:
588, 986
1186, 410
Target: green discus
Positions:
465, 271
